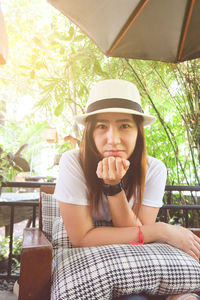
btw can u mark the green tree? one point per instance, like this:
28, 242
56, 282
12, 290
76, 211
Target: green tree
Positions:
54, 63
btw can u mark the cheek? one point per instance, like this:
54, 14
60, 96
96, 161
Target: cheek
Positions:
97, 141
94, 139
132, 140
135, 137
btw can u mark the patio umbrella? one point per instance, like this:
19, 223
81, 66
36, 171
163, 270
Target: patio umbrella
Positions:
141, 29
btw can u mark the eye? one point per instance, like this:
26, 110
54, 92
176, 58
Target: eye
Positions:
101, 126
124, 126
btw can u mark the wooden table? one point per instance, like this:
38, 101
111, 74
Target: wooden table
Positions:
8, 201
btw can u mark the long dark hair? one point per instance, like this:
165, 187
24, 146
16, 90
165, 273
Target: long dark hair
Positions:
134, 179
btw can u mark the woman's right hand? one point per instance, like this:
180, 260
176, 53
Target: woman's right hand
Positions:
184, 239
112, 169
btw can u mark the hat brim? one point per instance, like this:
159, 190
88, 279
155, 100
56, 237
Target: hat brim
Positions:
81, 119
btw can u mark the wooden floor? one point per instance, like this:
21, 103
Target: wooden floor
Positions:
5, 295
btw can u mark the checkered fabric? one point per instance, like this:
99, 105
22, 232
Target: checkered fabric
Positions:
101, 273
60, 237
50, 210
105, 272
111, 271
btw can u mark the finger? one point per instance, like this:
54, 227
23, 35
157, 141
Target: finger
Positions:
111, 168
126, 163
105, 168
120, 168
99, 171
195, 250
197, 238
197, 244
191, 253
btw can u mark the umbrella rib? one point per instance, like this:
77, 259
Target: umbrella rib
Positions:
186, 29
126, 29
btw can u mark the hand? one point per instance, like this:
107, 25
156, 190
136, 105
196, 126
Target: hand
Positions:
183, 239
112, 169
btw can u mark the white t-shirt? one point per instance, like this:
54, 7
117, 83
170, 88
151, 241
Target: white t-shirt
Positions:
71, 186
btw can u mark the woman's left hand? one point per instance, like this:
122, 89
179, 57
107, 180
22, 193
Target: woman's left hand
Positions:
112, 169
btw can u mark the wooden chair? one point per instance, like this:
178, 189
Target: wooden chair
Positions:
36, 260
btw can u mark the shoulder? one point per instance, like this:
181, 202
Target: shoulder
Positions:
71, 186
70, 157
155, 181
70, 163
154, 163
155, 167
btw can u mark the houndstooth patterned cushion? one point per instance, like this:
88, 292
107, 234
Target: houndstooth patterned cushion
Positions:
101, 273
60, 237
50, 210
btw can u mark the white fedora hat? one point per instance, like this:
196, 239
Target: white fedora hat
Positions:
114, 95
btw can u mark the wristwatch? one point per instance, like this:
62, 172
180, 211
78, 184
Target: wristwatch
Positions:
111, 190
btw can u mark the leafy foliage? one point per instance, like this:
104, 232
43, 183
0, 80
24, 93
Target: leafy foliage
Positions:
52, 61
4, 246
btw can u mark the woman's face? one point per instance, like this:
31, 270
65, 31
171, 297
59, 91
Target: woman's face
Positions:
115, 134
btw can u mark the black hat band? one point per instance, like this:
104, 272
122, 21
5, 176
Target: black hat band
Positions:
114, 103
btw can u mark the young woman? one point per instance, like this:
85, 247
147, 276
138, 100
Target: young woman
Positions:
112, 178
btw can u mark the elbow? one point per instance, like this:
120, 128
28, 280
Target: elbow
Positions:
76, 242
81, 241
76, 245
79, 244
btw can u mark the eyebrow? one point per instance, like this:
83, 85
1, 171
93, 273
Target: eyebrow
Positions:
117, 121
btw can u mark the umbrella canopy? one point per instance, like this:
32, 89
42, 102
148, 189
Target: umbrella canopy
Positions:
140, 29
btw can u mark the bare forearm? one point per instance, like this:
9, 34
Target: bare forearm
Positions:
121, 213
117, 235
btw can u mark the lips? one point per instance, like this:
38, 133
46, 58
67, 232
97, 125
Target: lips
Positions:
113, 152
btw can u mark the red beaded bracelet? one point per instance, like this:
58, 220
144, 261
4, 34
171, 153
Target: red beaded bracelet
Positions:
140, 237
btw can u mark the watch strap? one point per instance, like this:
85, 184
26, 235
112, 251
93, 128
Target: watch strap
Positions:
111, 190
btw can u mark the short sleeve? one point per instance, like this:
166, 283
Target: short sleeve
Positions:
70, 186
155, 183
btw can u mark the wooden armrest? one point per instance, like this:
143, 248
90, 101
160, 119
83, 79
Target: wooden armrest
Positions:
35, 267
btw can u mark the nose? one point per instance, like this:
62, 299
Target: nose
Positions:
113, 135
